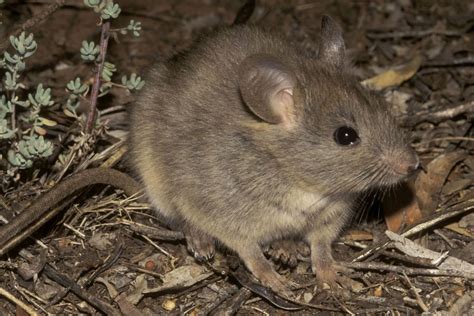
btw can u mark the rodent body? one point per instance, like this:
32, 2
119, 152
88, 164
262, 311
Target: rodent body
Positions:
237, 141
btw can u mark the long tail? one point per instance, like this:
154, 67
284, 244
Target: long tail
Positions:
39, 208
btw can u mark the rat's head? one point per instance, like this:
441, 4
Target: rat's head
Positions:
327, 132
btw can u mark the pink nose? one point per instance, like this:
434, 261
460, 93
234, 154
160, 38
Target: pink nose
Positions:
405, 163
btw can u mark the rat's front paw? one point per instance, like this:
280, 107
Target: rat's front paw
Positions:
286, 251
200, 244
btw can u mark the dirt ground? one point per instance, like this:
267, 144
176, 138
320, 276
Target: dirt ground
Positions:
108, 253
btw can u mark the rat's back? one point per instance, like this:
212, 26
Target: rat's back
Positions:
188, 138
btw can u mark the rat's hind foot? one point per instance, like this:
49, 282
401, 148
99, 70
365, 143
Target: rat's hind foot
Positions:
200, 244
286, 251
264, 272
332, 273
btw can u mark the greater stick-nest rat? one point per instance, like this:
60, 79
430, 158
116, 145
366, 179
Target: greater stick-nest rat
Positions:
245, 139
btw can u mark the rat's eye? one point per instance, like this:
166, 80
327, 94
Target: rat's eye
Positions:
346, 136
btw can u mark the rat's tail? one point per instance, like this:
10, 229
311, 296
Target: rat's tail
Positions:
37, 213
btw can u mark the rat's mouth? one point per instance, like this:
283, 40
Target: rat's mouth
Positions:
394, 177
402, 165
385, 175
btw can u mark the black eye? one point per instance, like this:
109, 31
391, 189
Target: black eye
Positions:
346, 136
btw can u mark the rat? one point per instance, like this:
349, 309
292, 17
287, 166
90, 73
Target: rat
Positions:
245, 139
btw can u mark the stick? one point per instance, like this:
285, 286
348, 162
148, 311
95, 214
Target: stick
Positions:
12, 298
104, 41
37, 19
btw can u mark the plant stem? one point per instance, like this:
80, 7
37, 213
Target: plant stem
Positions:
104, 40
13, 115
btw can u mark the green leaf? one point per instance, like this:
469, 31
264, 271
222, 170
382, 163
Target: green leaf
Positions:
72, 103
89, 51
134, 83
35, 147
105, 88
110, 11
24, 45
134, 27
5, 107
23, 104
92, 3
10, 81
42, 97
12, 59
108, 71
5, 132
17, 160
76, 87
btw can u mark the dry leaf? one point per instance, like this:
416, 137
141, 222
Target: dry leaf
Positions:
412, 249
169, 305
459, 291
126, 307
182, 277
69, 113
401, 207
429, 184
467, 221
109, 286
307, 297
47, 122
456, 186
394, 77
398, 100
102, 241
460, 230
358, 235
140, 286
378, 292
40, 131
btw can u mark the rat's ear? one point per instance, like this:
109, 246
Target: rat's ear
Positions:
332, 49
267, 87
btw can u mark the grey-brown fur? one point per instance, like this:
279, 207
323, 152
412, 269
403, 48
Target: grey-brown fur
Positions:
217, 159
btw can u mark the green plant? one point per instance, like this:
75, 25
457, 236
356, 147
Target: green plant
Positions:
24, 135
21, 122
90, 51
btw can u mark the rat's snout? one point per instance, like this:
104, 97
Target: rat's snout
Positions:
404, 163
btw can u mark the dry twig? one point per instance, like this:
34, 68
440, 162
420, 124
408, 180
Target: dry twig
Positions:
415, 292
375, 266
439, 116
37, 19
417, 33
19, 303
65, 281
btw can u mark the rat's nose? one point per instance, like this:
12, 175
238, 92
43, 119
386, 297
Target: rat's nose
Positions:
406, 163
415, 166
402, 162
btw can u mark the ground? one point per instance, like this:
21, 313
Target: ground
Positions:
107, 253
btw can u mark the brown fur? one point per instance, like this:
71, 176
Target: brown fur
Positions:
210, 164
